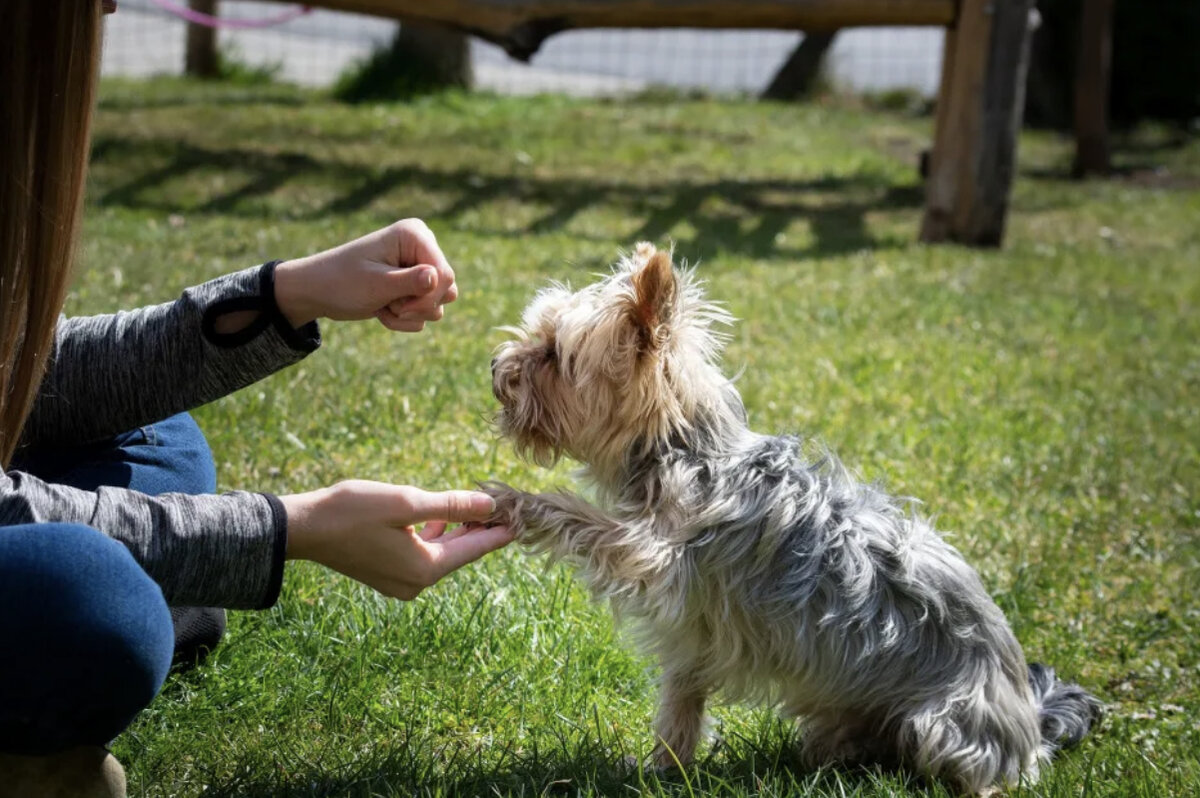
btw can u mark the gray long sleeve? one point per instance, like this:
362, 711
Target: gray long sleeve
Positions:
114, 373
224, 551
117, 372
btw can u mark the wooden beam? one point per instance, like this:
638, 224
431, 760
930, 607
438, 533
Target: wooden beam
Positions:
520, 26
978, 120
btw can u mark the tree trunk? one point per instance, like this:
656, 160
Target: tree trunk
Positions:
1092, 73
421, 59
201, 58
439, 55
795, 78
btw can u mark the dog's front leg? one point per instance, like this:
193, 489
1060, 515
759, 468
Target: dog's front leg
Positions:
680, 721
614, 554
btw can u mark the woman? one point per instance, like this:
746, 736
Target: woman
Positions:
107, 512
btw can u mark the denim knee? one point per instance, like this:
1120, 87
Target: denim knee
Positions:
85, 638
169, 456
185, 453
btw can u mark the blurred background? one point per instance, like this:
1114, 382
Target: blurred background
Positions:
1155, 57
321, 47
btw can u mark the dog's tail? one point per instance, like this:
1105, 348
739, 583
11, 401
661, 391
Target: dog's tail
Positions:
1066, 711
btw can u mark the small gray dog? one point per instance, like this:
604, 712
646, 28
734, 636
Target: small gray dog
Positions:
747, 568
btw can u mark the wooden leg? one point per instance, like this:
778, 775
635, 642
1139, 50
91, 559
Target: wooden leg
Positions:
200, 58
1092, 71
796, 77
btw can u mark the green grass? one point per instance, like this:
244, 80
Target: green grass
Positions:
1041, 400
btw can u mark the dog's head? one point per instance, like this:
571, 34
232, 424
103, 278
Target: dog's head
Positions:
628, 360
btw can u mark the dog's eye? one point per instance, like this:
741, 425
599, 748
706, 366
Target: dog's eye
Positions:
551, 354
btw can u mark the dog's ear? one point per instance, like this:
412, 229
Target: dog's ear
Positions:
654, 288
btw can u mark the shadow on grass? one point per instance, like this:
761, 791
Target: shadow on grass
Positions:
119, 97
750, 217
1141, 172
1137, 158
594, 771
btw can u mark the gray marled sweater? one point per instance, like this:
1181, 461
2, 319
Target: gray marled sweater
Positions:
118, 372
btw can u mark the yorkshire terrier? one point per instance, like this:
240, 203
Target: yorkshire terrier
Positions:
750, 569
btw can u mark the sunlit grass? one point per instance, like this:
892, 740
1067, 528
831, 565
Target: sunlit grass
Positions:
1040, 400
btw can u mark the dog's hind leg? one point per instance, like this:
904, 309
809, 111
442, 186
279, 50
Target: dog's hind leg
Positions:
978, 747
843, 739
680, 722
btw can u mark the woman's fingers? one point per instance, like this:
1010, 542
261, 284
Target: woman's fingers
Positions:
452, 554
397, 323
414, 281
449, 505
417, 308
434, 530
418, 244
460, 530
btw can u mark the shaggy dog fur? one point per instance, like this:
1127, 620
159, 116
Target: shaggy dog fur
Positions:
750, 569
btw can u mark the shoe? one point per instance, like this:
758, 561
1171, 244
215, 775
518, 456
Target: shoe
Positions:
85, 772
197, 632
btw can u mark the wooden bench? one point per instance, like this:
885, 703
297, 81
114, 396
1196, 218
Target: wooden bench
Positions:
980, 101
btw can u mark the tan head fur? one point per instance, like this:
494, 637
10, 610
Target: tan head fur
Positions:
623, 362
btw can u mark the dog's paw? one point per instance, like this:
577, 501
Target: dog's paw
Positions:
648, 768
630, 765
508, 503
664, 762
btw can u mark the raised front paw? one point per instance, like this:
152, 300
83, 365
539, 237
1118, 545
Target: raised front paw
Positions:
508, 503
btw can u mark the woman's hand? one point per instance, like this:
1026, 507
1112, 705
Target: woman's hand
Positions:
366, 530
397, 275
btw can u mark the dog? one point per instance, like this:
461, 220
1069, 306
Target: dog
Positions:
748, 567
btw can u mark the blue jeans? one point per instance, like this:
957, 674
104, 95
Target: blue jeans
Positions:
85, 636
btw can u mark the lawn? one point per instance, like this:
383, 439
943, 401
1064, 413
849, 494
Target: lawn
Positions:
1041, 400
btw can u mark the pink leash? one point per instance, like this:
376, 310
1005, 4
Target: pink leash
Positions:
209, 21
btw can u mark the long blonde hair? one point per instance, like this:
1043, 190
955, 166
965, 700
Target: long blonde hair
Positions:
49, 65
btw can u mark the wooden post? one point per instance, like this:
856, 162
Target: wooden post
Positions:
1092, 72
942, 110
978, 121
200, 59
